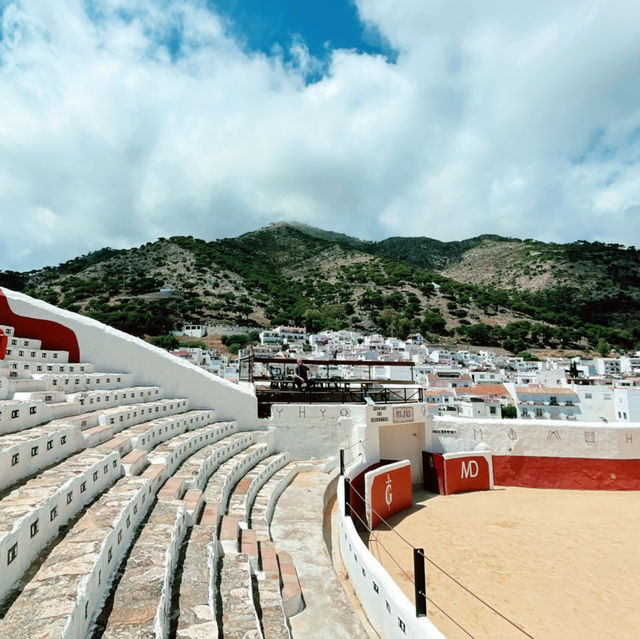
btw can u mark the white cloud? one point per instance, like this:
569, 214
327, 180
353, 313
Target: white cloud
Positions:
497, 117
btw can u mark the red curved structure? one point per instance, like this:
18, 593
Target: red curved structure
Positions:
54, 336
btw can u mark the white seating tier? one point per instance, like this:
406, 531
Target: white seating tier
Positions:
25, 453
31, 515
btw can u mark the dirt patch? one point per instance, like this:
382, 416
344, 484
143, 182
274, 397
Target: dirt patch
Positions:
558, 563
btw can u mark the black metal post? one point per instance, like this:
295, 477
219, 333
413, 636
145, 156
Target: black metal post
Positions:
420, 582
347, 497
342, 461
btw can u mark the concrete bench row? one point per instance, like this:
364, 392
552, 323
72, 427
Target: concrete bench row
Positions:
24, 342
31, 353
197, 470
24, 453
99, 426
247, 488
172, 453
148, 435
31, 515
17, 414
25, 367
142, 601
219, 486
76, 382
107, 398
67, 592
263, 505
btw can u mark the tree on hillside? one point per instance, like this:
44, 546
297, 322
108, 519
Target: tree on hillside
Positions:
168, 342
604, 348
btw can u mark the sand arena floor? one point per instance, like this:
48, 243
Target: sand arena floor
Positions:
559, 563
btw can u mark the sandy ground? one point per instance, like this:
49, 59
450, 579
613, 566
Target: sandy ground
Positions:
558, 563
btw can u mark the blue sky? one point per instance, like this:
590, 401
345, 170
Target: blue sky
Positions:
322, 26
127, 120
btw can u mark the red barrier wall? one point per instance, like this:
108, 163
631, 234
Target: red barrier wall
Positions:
4, 340
54, 336
464, 474
390, 493
567, 472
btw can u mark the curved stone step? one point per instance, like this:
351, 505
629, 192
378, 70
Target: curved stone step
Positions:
176, 450
239, 618
35, 354
65, 595
224, 479
30, 516
248, 487
17, 415
25, 453
197, 470
196, 602
264, 503
114, 420
148, 435
103, 398
29, 367
76, 382
142, 601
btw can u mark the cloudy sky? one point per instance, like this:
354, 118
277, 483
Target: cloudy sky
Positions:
125, 120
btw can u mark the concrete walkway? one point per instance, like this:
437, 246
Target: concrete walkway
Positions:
297, 528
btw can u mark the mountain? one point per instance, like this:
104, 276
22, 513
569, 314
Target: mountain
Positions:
488, 290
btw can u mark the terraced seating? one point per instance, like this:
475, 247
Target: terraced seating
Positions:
76, 382
68, 589
27, 452
108, 398
196, 604
17, 415
149, 434
142, 602
198, 468
221, 483
28, 367
24, 342
172, 453
239, 617
113, 420
33, 353
263, 505
243, 494
31, 515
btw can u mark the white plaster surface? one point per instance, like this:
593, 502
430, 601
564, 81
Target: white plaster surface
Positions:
524, 437
389, 606
111, 350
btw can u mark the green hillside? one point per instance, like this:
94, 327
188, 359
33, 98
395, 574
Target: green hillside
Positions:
487, 291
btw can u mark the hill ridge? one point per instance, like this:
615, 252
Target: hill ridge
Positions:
487, 290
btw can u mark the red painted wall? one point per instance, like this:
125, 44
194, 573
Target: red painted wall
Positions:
464, 474
567, 472
390, 493
4, 340
54, 336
